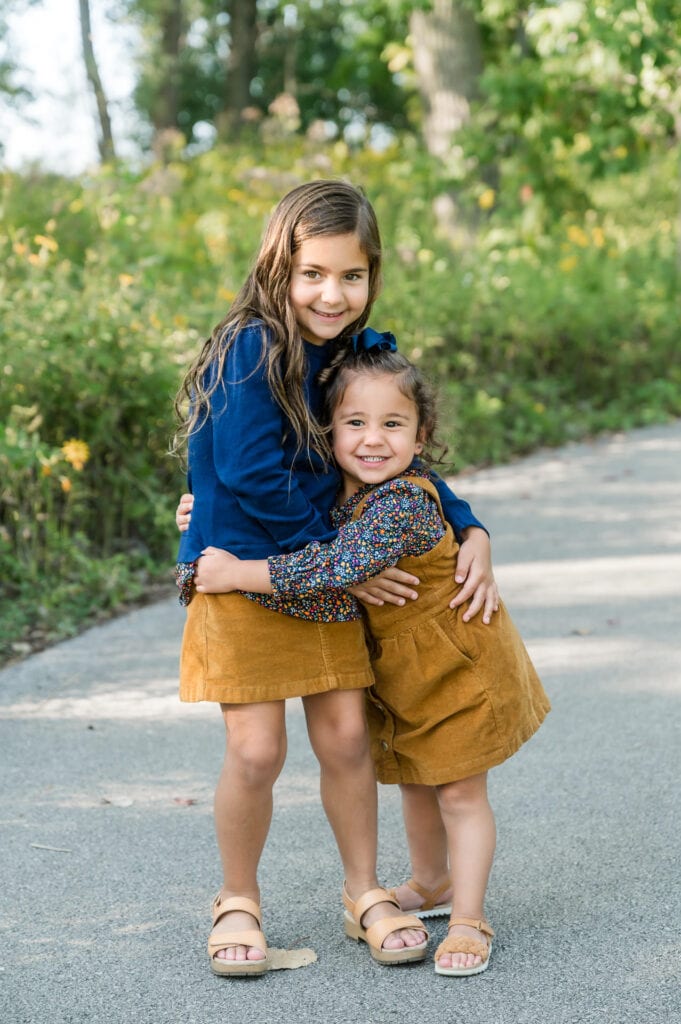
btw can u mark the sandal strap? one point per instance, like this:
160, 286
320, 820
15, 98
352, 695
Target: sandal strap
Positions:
431, 897
472, 922
378, 932
358, 908
226, 904
227, 940
462, 944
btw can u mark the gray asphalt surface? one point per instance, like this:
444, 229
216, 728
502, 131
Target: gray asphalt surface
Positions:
108, 858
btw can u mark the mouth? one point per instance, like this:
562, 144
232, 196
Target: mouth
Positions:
329, 316
372, 460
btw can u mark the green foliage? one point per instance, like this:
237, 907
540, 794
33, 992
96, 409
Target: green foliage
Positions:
570, 93
539, 328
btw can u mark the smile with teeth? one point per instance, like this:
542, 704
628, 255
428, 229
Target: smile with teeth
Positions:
328, 316
372, 458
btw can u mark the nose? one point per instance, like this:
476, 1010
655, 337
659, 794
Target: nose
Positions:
373, 436
332, 293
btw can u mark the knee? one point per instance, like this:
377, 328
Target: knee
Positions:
257, 759
463, 796
342, 743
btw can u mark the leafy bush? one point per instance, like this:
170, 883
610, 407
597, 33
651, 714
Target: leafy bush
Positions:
541, 327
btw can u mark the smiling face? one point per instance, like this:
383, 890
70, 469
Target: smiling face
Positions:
375, 431
329, 287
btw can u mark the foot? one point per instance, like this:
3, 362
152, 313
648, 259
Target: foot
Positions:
400, 939
411, 897
237, 921
463, 960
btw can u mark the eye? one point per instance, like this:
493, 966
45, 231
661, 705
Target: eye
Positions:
311, 274
355, 423
393, 423
353, 277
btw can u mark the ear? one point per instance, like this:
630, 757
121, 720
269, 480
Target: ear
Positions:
418, 447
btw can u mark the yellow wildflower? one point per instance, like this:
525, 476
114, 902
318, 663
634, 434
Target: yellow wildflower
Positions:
66, 484
125, 280
76, 453
226, 294
486, 199
568, 264
46, 469
578, 236
45, 242
20, 248
598, 237
620, 152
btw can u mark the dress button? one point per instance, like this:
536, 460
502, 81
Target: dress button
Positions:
384, 745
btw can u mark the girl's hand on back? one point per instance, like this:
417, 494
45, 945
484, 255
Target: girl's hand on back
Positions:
215, 572
183, 512
392, 586
474, 570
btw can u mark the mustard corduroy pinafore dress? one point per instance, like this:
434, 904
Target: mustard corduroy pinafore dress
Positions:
451, 698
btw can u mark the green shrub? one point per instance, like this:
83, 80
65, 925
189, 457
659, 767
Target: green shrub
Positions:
540, 328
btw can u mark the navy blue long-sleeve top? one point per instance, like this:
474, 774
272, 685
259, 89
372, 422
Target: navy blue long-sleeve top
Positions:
253, 494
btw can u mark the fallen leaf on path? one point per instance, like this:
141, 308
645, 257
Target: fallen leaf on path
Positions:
290, 959
54, 849
184, 801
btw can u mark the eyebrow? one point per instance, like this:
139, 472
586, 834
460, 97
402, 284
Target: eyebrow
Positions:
350, 270
387, 415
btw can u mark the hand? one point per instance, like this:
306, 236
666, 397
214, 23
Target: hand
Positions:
215, 571
392, 585
183, 512
474, 570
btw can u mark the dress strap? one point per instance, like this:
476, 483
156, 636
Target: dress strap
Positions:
420, 481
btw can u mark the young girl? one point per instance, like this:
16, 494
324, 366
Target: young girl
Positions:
260, 470
449, 701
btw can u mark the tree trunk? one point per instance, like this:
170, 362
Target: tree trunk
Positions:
448, 63
241, 64
164, 114
105, 138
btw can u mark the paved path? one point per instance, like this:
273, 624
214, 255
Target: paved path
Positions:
108, 859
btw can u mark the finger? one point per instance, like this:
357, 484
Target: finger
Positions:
491, 605
389, 589
366, 596
476, 604
463, 568
399, 576
467, 591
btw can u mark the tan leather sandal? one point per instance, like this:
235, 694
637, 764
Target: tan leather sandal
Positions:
376, 934
430, 906
462, 944
228, 939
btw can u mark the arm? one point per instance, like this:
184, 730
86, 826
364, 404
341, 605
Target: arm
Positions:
248, 454
401, 521
474, 563
219, 572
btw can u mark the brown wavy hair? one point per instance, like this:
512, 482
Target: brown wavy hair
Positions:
311, 210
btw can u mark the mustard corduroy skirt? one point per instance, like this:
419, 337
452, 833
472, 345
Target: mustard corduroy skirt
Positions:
235, 651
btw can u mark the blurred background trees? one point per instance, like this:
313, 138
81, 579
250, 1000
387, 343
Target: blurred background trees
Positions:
524, 164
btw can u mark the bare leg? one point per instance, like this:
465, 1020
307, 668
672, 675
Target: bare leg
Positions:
256, 749
471, 834
337, 728
427, 842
